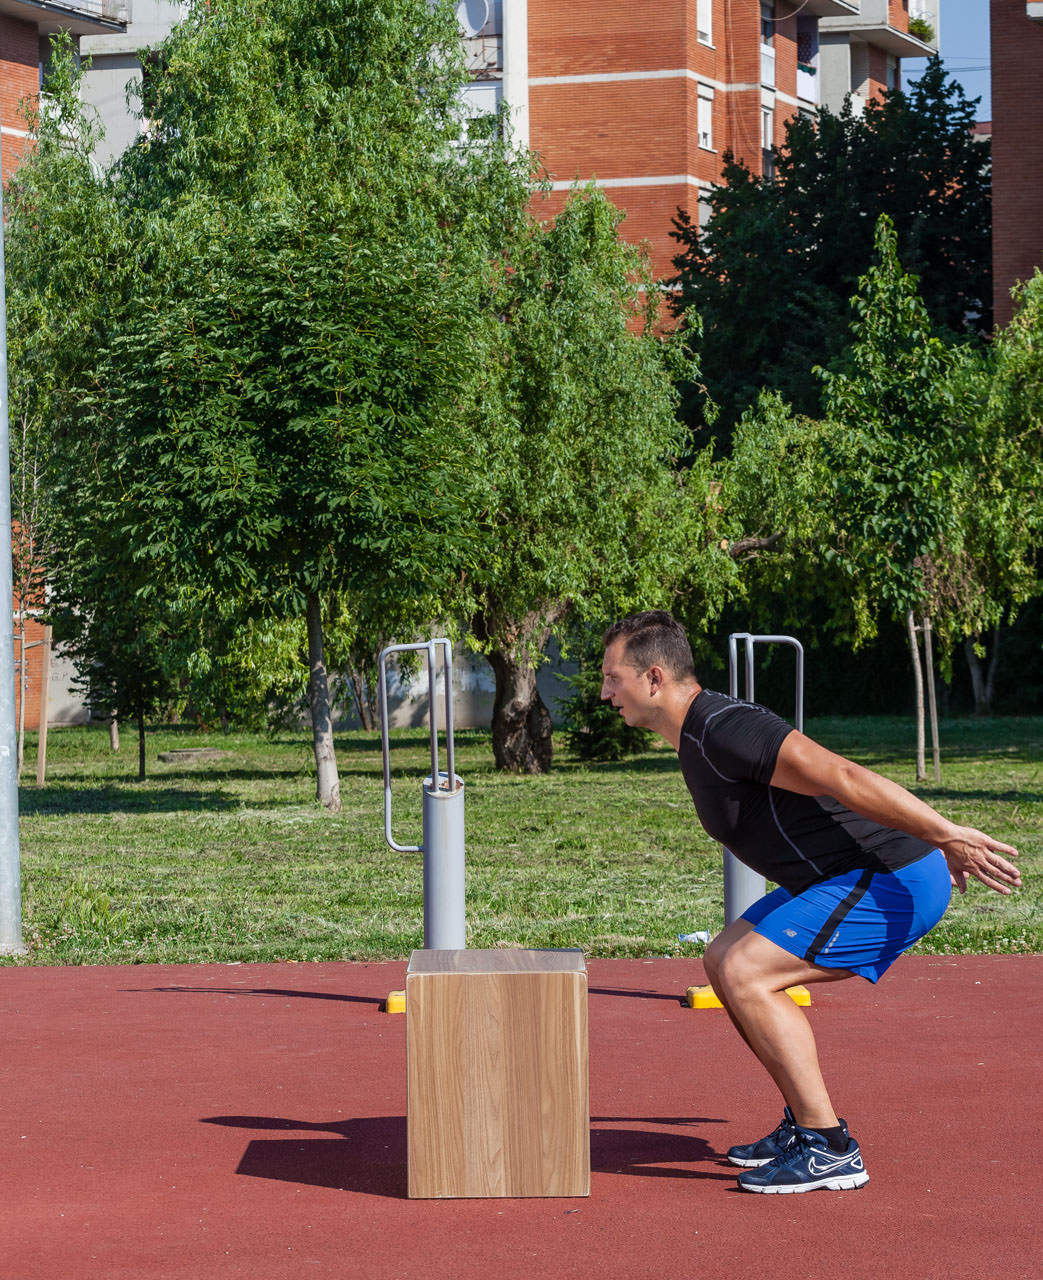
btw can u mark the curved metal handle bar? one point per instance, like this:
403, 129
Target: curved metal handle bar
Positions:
751, 640
741, 884
430, 648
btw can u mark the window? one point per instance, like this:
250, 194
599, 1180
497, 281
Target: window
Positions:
768, 45
807, 59
807, 44
46, 53
768, 141
480, 101
705, 120
704, 21
705, 210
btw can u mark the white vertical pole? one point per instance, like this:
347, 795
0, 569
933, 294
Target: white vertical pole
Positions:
10, 862
516, 67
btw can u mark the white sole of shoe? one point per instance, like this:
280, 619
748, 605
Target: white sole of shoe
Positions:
747, 1164
849, 1183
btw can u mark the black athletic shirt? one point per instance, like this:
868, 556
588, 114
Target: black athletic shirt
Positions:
728, 752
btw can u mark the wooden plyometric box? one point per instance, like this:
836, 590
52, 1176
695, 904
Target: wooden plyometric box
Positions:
498, 1094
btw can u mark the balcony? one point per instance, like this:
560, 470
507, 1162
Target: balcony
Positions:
81, 18
481, 29
870, 23
829, 9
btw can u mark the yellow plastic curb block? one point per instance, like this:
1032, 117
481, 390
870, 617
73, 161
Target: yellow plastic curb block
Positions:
704, 997
396, 1002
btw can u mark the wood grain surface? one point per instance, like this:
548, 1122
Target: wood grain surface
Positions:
497, 1074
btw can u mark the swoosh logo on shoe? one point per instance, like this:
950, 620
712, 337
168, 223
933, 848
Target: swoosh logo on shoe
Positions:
815, 1166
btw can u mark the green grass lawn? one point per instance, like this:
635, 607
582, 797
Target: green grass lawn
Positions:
232, 859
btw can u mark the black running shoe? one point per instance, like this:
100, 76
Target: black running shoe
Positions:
754, 1154
808, 1164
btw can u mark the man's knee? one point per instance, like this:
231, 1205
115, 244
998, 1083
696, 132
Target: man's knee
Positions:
713, 958
721, 947
740, 973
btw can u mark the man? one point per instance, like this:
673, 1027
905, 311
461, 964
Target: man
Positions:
865, 869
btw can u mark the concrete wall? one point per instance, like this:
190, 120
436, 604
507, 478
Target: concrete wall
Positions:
115, 66
474, 690
64, 703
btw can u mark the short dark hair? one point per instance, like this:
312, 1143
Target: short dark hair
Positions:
654, 638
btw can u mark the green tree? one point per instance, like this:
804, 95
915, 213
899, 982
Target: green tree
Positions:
119, 642
575, 437
1009, 388
67, 272
774, 497
912, 474
268, 416
233, 662
1016, 382
772, 272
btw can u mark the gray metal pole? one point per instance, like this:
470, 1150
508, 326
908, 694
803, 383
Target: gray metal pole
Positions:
442, 809
10, 860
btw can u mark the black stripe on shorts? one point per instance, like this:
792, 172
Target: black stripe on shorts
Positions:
838, 915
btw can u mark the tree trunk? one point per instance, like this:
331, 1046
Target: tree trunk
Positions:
360, 692
141, 742
45, 690
932, 703
326, 777
23, 667
994, 662
914, 653
521, 722
982, 683
976, 674
114, 733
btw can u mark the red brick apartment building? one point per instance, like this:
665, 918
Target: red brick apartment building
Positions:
644, 99
1016, 39
25, 29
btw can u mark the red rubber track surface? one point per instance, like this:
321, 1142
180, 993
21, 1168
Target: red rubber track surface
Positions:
249, 1121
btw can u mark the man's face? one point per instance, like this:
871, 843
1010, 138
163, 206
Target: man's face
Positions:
624, 686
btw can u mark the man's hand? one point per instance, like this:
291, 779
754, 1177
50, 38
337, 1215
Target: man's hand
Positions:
972, 853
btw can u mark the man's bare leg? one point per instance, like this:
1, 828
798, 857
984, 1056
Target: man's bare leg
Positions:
750, 976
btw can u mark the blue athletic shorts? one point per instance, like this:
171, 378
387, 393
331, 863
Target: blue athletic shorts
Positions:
861, 921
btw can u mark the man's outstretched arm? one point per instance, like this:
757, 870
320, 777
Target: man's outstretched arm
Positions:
809, 769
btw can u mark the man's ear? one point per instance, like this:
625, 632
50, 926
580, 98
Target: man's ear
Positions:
656, 679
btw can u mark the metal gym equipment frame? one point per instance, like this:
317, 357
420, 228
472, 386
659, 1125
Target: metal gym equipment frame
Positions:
442, 809
742, 887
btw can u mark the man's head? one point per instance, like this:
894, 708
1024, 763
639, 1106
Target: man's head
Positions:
648, 670
653, 638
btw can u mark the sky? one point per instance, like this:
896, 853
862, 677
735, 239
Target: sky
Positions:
964, 49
